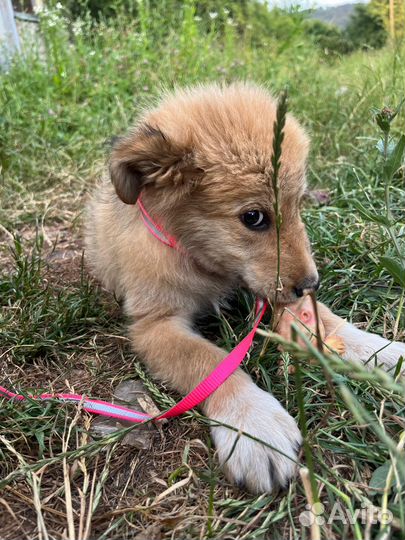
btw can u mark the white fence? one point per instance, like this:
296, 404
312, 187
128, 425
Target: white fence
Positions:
13, 25
9, 40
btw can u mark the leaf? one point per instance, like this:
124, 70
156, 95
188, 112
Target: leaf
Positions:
370, 216
394, 161
398, 109
130, 393
398, 367
394, 268
379, 478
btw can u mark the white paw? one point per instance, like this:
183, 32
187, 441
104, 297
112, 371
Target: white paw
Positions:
366, 347
249, 463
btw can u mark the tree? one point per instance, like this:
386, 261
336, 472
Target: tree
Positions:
392, 13
366, 29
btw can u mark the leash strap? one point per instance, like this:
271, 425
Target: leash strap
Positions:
200, 393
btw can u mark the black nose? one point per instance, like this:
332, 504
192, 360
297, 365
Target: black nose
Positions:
309, 284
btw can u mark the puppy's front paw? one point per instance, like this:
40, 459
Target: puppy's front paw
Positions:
249, 463
366, 347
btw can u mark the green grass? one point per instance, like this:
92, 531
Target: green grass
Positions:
60, 331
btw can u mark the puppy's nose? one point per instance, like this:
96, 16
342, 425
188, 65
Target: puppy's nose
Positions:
309, 284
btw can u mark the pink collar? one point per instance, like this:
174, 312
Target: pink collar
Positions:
156, 229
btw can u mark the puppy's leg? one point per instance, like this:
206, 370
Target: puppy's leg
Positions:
183, 358
361, 346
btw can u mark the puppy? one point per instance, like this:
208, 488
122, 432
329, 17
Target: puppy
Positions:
202, 161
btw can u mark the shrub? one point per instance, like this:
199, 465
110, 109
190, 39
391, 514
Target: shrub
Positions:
328, 37
366, 29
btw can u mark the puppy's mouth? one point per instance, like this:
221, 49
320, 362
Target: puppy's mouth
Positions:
283, 297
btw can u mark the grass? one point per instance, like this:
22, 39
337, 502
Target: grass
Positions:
60, 331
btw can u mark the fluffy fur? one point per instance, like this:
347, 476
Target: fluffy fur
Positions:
201, 158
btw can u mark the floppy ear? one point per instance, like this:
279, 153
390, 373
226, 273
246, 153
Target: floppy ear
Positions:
147, 156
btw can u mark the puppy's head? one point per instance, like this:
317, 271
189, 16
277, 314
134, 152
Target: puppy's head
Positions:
202, 160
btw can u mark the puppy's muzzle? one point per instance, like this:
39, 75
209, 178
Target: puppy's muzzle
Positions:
308, 285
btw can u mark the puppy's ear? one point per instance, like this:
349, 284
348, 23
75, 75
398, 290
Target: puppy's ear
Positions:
147, 156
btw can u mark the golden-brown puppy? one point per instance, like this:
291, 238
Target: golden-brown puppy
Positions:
202, 159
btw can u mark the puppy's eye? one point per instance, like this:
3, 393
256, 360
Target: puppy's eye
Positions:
256, 220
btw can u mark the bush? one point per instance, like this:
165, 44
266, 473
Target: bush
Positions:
251, 19
366, 29
328, 37
98, 9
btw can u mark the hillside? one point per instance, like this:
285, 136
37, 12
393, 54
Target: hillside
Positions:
337, 15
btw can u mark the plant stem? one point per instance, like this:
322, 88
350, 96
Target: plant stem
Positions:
278, 137
387, 200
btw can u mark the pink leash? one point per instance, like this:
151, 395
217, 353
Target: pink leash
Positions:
201, 392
